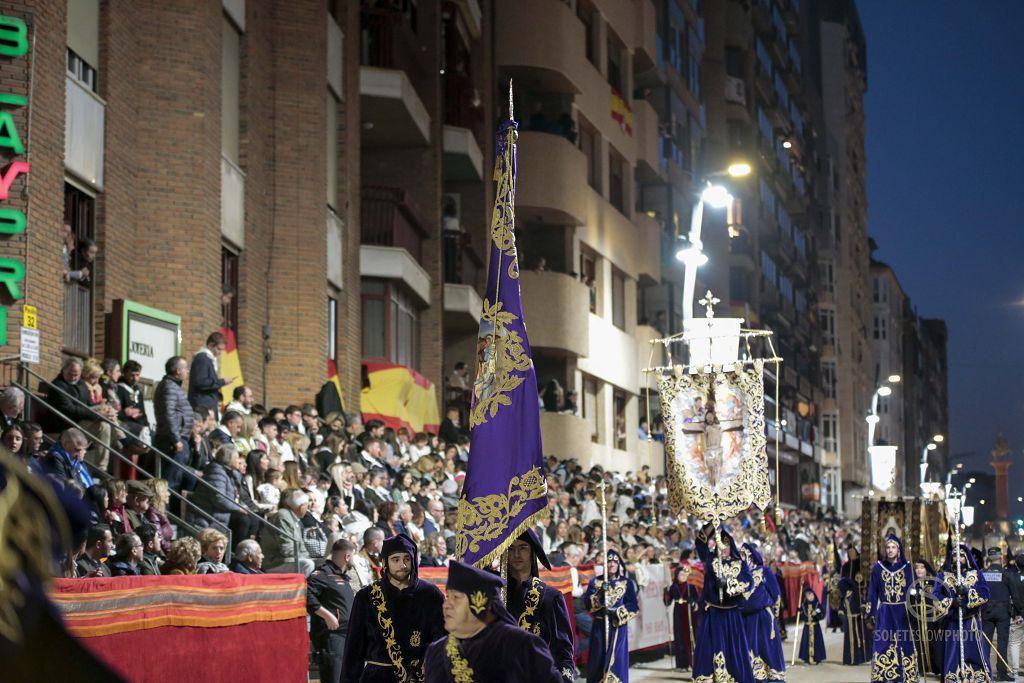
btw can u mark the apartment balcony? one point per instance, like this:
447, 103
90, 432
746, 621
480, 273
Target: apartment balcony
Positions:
556, 307
84, 124
551, 175
463, 106
648, 251
462, 260
392, 112
741, 251
395, 263
566, 436
232, 202
546, 46
462, 307
645, 54
645, 132
391, 219
463, 160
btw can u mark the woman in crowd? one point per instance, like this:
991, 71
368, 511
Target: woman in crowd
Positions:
434, 551
212, 544
118, 493
183, 557
13, 439
257, 464
157, 513
387, 518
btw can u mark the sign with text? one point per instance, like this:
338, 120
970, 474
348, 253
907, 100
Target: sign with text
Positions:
29, 345
651, 627
143, 334
29, 317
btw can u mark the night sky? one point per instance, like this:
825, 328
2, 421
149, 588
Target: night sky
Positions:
945, 154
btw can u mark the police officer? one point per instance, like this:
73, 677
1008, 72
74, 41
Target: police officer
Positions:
329, 603
996, 612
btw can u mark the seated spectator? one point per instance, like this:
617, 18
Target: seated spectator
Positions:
92, 374
242, 400
65, 459
246, 439
32, 448
257, 464
12, 404
157, 513
227, 432
248, 558
149, 565
99, 543
269, 492
69, 397
118, 491
212, 544
14, 441
97, 499
139, 495
284, 550
182, 557
434, 551
129, 556
220, 497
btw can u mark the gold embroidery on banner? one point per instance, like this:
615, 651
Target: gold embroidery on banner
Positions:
486, 517
387, 630
502, 360
720, 674
460, 667
745, 486
532, 602
503, 215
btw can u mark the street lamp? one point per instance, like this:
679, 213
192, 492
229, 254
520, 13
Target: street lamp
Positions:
872, 417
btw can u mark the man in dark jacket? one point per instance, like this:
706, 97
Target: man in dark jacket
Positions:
204, 383
996, 613
174, 417
329, 599
150, 563
69, 397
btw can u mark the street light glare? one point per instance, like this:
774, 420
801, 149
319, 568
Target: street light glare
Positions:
884, 391
692, 256
739, 170
972, 480
872, 419
938, 438
895, 379
786, 144
931, 447
716, 196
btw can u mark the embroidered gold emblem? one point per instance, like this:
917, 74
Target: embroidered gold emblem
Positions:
416, 639
763, 672
486, 518
478, 602
720, 674
532, 602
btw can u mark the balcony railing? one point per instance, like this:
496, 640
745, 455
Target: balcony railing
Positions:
462, 105
391, 219
389, 41
78, 318
462, 262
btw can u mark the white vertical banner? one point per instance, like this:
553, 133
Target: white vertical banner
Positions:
651, 627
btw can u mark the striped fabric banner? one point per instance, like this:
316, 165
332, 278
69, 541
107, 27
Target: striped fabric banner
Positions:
100, 607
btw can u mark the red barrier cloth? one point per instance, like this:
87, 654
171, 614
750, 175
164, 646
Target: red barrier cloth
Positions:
216, 627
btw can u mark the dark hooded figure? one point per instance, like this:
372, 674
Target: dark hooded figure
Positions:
393, 620
723, 652
849, 605
484, 643
894, 657
538, 607
767, 657
927, 632
685, 601
612, 598
965, 596
812, 641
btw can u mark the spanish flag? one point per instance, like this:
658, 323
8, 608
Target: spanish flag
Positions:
229, 365
399, 396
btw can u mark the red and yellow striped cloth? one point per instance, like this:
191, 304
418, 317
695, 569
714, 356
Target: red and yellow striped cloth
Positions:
105, 606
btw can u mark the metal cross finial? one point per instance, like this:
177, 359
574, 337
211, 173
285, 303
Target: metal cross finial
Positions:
708, 302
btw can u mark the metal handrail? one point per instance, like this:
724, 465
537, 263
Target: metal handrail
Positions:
161, 455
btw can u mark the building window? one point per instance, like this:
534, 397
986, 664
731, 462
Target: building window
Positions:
374, 306
616, 180
615, 70
588, 273
618, 299
827, 322
332, 150
391, 328
588, 16
619, 398
79, 214
81, 71
830, 432
828, 378
229, 290
230, 82
332, 327
693, 64
590, 392
828, 277
83, 41
589, 145
881, 328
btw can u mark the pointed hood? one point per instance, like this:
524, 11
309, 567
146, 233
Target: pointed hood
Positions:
621, 573
751, 552
950, 563
727, 538
400, 543
482, 589
539, 556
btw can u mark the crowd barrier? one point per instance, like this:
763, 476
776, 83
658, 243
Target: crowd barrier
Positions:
213, 627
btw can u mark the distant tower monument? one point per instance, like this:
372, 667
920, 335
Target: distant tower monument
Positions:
1001, 464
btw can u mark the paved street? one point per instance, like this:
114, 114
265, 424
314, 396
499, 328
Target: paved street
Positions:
831, 671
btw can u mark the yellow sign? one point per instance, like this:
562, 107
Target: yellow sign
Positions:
28, 314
